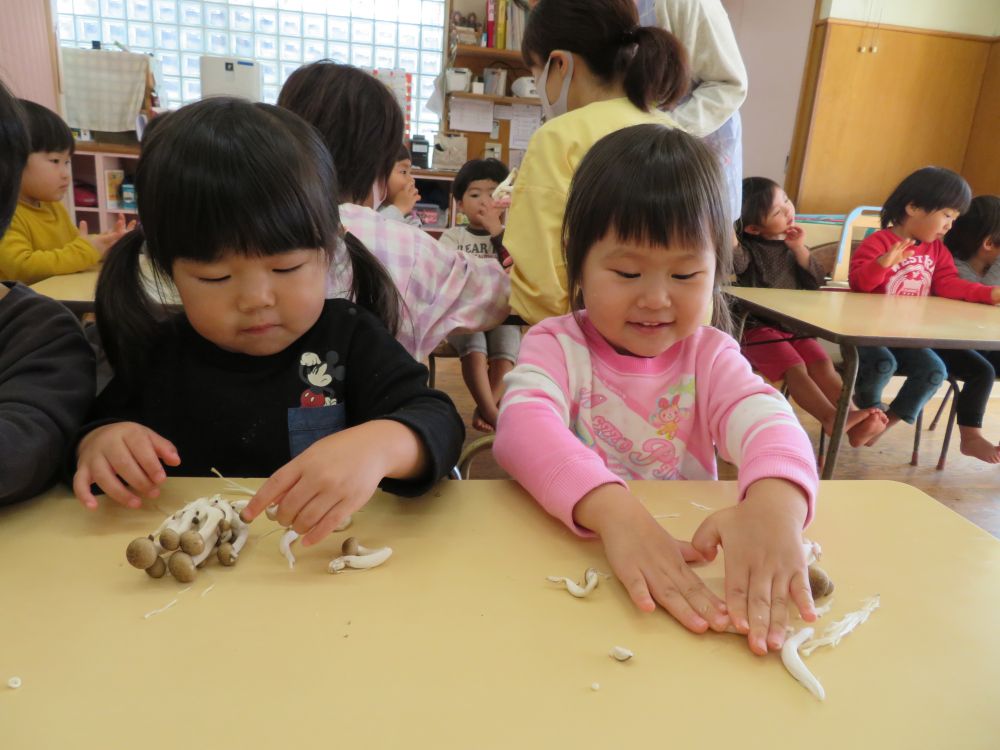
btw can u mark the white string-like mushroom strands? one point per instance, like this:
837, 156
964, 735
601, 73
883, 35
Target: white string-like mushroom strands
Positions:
793, 663
591, 578
835, 632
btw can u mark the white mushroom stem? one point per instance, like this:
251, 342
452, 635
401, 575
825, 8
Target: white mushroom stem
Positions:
813, 551
366, 558
793, 663
285, 545
235, 487
838, 629
620, 653
591, 578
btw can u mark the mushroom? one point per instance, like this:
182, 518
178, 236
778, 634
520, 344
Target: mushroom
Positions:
620, 653
590, 577
142, 552
356, 555
819, 582
182, 567
793, 663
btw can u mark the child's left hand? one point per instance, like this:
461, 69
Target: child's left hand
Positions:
488, 217
795, 238
995, 295
765, 560
337, 475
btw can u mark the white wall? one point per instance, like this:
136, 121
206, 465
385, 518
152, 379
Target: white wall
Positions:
773, 36
961, 16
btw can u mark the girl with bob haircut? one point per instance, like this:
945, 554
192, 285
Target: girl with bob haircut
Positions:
631, 385
259, 374
598, 71
362, 126
908, 258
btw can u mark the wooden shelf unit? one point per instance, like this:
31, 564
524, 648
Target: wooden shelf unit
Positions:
90, 160
497, 99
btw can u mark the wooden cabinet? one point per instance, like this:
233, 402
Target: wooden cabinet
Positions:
91, 163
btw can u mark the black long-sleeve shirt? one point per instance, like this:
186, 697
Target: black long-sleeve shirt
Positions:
46, 387
248, 416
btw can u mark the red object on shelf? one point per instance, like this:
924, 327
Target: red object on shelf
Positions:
84, 194
491, 23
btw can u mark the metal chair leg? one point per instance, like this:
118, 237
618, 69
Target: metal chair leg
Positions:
476, 446
951, 426
917, 429
952, 388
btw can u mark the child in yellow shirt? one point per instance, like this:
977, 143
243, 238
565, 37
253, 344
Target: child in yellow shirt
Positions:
41, 240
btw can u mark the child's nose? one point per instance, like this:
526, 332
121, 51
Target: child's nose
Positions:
254, 295
655, 296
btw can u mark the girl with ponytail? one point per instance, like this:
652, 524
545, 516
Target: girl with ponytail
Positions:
597, 71
260, 374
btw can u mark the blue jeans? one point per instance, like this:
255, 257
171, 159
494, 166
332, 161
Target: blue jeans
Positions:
923, 369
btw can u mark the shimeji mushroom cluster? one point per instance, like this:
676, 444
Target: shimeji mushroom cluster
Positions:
186, 540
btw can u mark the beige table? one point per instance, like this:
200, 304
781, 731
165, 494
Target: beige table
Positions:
459, 642
853, 319
75, 290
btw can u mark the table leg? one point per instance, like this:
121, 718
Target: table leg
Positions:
850, 355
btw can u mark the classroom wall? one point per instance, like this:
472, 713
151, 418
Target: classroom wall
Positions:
960, 16
773, 36
27, 64
981, 166
871, 118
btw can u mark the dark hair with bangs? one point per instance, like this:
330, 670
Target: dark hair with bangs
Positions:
47, 130
650, 62
14, 150
970, 230
930, 189
758, 195
358, 117
226, 176
654, 184
403, 154
478, 169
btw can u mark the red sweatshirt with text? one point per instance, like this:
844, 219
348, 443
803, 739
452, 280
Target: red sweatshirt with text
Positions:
930, 271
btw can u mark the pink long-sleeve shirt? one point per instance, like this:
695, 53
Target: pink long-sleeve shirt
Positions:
931, 270
577, 415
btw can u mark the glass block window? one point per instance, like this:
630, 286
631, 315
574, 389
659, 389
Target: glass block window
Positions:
280, 35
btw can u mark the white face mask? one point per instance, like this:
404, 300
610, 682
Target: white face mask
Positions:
561, 104
379, 190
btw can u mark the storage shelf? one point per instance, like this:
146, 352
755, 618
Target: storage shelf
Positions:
510, 56
496, 99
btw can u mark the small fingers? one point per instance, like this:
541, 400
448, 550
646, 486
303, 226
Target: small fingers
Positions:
779, 613
106, 478
678, 605
736, 599
271, 492
327, 524
759, 614
125, 465
81, 488
635, 584
802, 596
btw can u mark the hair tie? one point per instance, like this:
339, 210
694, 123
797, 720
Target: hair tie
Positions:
630, 37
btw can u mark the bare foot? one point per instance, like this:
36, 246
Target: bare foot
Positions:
481, 423
981, 448
865, 432
854, 417
889, 422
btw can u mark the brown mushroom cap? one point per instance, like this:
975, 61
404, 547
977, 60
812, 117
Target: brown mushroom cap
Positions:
169, 539
157, 569
182, 567
141, 553
819, 582
350, 546
226, 555
192, 542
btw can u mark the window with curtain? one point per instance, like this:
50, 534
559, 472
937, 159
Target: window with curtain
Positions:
280, 35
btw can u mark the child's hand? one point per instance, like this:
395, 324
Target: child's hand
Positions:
488, 217
336, 476
406, 198
795, 238
648, 561
995, 295
899, 252
765, 560
103, 242
122, 451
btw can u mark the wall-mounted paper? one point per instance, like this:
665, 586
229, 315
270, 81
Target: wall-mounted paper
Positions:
471, 115
525, 121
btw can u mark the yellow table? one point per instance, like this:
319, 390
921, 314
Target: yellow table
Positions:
459, 642
75, 290
853, 319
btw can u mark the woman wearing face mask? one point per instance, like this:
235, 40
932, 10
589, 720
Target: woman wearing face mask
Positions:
597, 71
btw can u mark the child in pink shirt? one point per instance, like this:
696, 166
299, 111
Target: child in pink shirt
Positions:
631, 386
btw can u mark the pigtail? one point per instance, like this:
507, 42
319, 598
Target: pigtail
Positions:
126, 319
657, 73
372, 287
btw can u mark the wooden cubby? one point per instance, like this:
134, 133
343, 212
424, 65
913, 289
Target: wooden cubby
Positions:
90, 160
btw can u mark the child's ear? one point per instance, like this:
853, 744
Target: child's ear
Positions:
911, 209
752, 229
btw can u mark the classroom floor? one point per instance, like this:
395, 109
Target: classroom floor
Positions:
967, 486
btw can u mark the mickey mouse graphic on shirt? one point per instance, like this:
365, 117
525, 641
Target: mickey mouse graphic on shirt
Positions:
318, 375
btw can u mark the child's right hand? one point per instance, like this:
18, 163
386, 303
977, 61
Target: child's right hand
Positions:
899, 252
649, 562
103, 242
406, 198
122, 451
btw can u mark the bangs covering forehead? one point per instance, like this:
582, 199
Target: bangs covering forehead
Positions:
647, 184
223, 175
